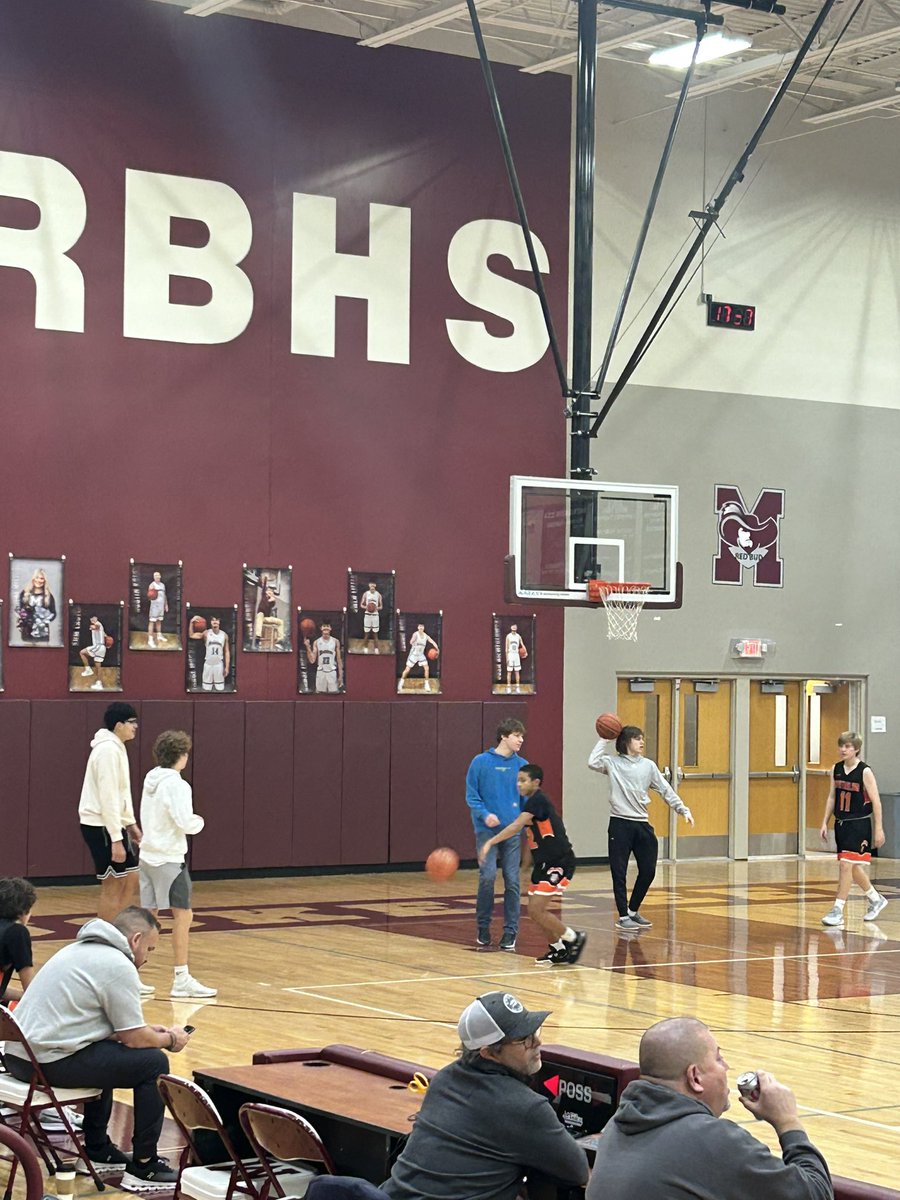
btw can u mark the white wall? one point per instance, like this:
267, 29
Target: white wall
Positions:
813, 239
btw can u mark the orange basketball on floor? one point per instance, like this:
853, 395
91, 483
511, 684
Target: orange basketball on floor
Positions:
198, 624
307, 628
442, 864
432, 652
608, 725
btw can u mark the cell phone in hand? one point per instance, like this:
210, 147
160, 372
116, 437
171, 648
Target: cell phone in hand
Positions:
189, 1028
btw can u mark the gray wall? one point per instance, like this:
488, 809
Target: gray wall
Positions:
835, 614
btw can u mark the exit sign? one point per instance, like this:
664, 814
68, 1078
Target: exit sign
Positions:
750, 647
730, 316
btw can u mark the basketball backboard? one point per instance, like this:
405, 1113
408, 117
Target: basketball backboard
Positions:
564, 532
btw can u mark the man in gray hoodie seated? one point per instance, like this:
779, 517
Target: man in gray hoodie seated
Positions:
665, 1141
481, 1128
82, 1017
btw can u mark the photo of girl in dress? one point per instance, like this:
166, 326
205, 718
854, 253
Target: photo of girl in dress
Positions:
95, 647
154, 606
267, 610
35, 585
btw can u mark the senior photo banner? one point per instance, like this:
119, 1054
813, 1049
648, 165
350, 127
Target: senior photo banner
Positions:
515, 657
154, 606
266, 615
419, 648
210, 658
35, 601
321, 663
95, 647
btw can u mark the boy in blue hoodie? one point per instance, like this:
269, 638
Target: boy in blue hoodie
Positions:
493, 797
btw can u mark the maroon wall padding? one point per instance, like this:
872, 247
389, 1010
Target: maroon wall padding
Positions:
365, 808
495, 711
318, 783
219, 784
268, 783
459, 740
15, 732
414, 762
156, 717
60, 744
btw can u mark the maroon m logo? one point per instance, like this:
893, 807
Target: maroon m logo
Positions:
748, 538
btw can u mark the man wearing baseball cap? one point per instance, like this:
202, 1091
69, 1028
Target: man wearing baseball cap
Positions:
481, 1128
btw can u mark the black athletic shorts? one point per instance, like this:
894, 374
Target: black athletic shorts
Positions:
100, 846
854, 839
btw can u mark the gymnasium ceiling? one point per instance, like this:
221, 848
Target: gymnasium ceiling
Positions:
852, 74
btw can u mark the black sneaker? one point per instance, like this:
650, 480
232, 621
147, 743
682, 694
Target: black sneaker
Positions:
153, 1176
555, 954
639, 920
483, 937
508, 942
109, 1161
574, 948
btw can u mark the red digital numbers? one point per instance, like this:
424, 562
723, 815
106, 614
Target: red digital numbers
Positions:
731, 316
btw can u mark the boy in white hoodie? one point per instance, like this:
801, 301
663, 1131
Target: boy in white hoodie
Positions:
167, 816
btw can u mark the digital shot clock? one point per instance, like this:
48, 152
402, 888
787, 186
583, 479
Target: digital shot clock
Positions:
730, 316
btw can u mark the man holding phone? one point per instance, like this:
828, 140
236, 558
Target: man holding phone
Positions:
82, 1016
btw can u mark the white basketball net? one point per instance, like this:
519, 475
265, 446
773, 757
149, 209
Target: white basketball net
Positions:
623, 603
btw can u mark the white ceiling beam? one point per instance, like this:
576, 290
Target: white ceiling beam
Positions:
886, 100
205, 8
429, 18
772, 62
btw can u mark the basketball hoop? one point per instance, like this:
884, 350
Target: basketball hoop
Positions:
623, 603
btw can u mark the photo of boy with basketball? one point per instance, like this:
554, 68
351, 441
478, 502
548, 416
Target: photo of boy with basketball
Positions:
210, 664
515, 668
419, 653
370, 611
321, 665
95, 647
154, 606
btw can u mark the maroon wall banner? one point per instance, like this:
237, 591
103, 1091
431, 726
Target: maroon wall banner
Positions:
154, 606
265, 299
748, 538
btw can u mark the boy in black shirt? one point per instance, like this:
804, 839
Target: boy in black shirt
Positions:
553, 864
17, 899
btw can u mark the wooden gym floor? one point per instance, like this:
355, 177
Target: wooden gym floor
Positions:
387, 961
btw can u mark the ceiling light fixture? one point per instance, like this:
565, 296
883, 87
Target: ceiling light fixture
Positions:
716, 45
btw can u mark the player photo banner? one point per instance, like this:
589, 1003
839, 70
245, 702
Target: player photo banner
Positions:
419, 645
515, 655
95, 647
321, 662
266, 610
1, 648
154, 606
370, 611
35, 601
210, 658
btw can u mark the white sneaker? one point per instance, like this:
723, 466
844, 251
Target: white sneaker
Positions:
427, 687
87, 671
186, 987
835, 916
146, 989
50, 1119
151, 643
98, 686
162, 639
875, 907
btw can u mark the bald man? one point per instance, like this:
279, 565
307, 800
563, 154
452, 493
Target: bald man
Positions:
665, 1141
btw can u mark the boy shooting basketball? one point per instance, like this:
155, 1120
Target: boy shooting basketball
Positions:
630, 831
553, 864
856, 804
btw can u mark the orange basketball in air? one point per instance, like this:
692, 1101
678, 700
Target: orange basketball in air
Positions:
608, 725
307, 628
442, 864
432, 653
198, 624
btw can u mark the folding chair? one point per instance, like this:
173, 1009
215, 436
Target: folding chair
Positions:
21, 1152
193, 1111
287, 1138
29, 1100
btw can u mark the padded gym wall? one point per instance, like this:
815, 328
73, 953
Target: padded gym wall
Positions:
177, 197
